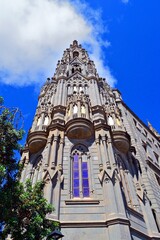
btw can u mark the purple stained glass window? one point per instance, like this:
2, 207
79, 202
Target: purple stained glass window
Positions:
80, 176
84, 174
85, 181
76, 176
86, 192
76, 192
76, 165
84, 165
76, 183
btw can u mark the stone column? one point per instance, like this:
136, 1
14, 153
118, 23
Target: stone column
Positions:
60, 150
119, 198
108, 164
97, 93
102, 152
48, 151
148, 217
102, 98
48, 193
87, 111
71, 111
109, 196
25, 166
56, 95
29, 171
125, 187
110, 152
60, 93
57, 189
79, 109
53, 98
35, 176
115, 211
53, 154
98, 148
41, 121
133, 196
64, 94
92, 93
40, 173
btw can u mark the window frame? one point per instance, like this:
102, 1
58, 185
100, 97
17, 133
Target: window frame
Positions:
83, 156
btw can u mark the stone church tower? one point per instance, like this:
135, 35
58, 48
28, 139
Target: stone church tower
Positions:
99, 161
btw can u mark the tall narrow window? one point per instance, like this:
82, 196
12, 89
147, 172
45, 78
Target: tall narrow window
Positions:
80, 89
110, 121
85, 180
76, 180
80, 173
74, 89
83, 111
75, 111
46, 120
38, 121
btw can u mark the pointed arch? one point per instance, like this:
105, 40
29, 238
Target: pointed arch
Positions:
80, 171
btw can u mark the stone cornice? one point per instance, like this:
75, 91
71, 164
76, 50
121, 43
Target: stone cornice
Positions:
100, 223
81, 201
61, 78
56, 125
81, 75
153, 236
102, 126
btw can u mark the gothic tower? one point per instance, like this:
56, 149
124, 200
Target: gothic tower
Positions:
99, 161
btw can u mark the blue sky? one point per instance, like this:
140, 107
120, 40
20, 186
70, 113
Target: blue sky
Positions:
122, 37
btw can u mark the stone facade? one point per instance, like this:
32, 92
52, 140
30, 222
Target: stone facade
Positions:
99, 161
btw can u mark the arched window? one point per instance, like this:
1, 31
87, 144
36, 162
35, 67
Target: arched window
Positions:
80, 89
74, 89
75, 111
46, 120
83, 111
80, 172
110, 121
75, 54
38, 121
86, 89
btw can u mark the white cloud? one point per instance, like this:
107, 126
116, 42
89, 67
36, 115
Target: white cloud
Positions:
34, 33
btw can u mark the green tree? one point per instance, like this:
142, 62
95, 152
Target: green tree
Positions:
28, 218
23, 209
10, 135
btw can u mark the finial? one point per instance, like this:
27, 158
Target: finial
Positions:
75, 43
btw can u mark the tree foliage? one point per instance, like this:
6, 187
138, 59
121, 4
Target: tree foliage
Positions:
28, 218
23, 209
9, 137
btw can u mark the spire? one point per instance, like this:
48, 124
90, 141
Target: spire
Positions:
75, 59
